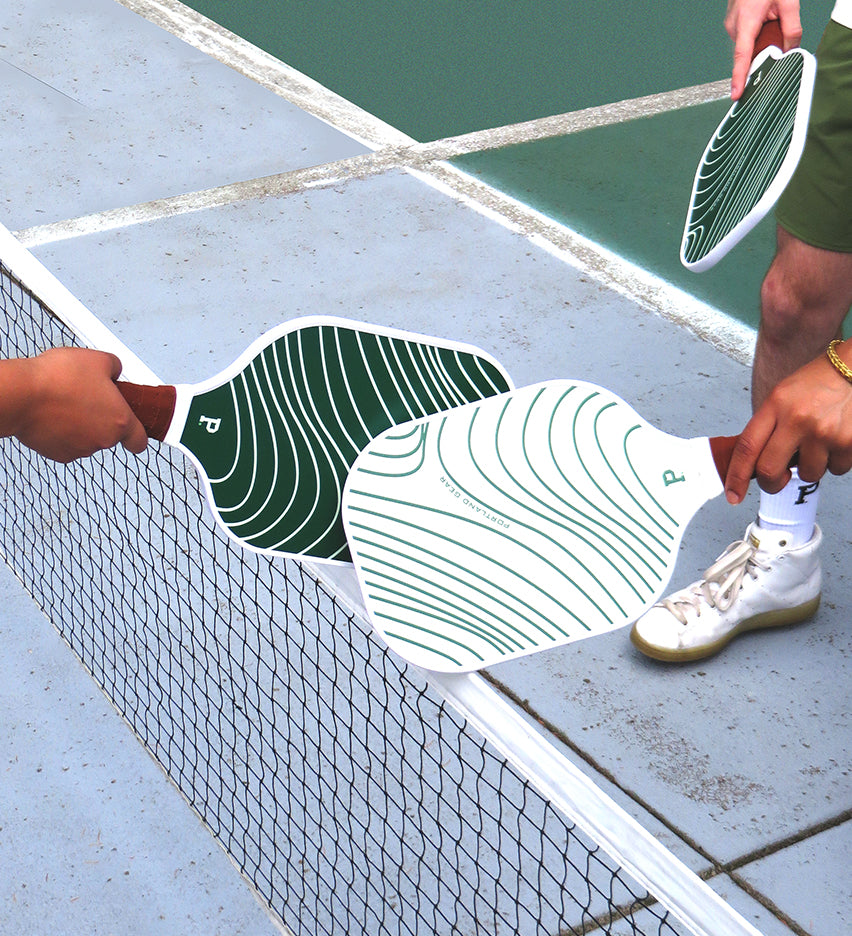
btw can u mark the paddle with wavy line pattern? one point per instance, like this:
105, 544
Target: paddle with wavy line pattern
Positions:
750, 158
274, 435
521, 522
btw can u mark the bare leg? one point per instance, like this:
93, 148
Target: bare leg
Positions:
805, 297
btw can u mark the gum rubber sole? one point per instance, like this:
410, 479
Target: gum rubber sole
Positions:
780, 618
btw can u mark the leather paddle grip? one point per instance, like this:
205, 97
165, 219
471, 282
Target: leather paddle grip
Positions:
153, 406
769, 35
722, 450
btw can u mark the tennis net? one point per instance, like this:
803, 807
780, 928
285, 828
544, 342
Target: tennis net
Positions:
355, 794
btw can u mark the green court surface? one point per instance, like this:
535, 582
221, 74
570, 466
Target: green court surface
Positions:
439, 69
442, 69
580, 181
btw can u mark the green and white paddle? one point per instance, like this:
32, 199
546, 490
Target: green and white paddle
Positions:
751, 156
273, 435
520, 523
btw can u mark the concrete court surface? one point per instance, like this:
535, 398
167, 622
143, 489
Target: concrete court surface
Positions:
740, 763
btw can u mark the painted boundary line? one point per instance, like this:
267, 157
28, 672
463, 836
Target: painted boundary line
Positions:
395, 151
408, 155
649, 291
312, 97
247, 59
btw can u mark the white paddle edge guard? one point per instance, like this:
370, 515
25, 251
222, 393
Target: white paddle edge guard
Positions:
680, 890
65, 306
782, 178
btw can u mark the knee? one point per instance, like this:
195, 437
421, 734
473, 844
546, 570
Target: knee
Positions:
784, 305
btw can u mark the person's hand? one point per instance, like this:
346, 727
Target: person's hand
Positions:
809, 413
743, 22
64, 404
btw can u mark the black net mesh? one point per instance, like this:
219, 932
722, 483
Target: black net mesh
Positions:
353, 799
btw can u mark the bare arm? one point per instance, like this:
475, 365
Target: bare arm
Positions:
64, 404
809, 413
745, 19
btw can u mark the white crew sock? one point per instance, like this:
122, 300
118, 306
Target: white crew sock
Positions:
793, 509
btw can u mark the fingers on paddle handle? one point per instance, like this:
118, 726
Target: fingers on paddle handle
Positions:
722, 449
769, 35
153, 406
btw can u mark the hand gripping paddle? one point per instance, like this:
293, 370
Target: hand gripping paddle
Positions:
752, 154
521, 522
273, 435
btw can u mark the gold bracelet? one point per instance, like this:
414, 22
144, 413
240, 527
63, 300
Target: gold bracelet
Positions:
839, 366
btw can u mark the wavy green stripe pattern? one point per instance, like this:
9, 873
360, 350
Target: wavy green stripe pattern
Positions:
290, 425
748, 150
509, 526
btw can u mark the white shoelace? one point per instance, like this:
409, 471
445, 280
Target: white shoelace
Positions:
721, 583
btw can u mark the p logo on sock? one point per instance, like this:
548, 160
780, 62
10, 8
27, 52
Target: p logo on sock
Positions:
805, 490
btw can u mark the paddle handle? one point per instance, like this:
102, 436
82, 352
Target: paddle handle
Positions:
722, 450
154, 406
769, 35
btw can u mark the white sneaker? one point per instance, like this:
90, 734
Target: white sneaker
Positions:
759, 582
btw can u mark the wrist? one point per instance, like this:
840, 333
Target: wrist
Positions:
16, 394
839, 353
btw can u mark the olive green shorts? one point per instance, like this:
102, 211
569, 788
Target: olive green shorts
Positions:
816, 206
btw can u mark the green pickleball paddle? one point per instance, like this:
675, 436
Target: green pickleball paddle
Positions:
274, 435
751, 156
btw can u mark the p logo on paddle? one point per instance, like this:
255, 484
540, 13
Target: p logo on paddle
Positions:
210, 423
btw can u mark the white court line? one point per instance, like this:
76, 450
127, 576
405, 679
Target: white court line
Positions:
235, 52
645, 288
395, 151
406, 156
314, 98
